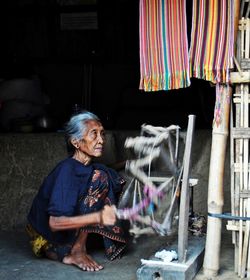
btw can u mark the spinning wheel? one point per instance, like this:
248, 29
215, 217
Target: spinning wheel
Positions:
151, 200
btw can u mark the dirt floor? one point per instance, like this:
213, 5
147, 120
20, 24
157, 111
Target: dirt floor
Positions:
17, 261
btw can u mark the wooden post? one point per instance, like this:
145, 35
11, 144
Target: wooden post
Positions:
211, 263
185, 195
215, 185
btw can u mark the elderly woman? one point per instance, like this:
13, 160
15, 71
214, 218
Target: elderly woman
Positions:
78, 198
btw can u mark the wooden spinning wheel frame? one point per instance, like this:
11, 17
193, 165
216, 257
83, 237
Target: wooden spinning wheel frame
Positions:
148, 189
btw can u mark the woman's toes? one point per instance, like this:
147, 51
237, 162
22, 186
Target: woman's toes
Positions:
81, 266
89, 268
94, 264
85, 262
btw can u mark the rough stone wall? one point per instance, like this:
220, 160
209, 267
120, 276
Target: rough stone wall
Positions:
25, 159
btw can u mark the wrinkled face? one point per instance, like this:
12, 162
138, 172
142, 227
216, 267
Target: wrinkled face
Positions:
93, 139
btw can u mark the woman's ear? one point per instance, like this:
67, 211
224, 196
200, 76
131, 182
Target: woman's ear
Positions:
75, 143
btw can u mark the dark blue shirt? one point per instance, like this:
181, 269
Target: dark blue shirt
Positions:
59, 195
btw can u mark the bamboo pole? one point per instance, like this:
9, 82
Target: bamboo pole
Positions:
246, 87
215, 185
211, 263
241, 184
235, 174
236, 183
246, 185
248, 209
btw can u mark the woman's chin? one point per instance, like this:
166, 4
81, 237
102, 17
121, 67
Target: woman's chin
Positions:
97, 154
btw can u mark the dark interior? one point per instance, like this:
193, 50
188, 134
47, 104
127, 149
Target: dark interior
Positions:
94, 64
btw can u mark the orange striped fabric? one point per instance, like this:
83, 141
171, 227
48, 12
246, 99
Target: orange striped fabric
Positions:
211, 48
164, 63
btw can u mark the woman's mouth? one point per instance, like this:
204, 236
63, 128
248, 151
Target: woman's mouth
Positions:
99, 149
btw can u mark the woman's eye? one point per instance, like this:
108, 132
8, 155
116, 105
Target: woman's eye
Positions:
94, 134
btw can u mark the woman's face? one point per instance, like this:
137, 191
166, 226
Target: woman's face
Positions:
93, 139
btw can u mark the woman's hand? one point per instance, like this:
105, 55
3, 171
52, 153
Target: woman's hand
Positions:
108, 215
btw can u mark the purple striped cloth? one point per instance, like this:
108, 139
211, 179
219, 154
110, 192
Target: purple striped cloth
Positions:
164, 61
212, 40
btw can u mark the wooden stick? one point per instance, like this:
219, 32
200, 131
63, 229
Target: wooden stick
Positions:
185, 195
245, 174
232, 156
241, 188
246, 87
237, 181
248, 199
168, 218
238, 66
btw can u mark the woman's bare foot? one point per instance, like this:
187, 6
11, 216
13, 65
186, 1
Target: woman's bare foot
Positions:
83, 261
79, 256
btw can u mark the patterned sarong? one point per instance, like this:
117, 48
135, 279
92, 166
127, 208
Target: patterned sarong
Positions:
163, 45
212, 37
99, 194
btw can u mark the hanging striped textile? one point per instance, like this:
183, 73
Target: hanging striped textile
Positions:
163, 45
211, 48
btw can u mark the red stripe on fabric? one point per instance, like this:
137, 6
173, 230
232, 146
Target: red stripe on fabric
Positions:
210, 35
204, 36
226, 33
193, 43
200, 32
218, 32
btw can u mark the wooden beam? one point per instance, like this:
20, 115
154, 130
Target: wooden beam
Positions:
234, 227
236, 167
245, 64
236, 78
245, 194
240, 133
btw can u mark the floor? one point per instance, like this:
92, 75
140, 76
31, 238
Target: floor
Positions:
17, 261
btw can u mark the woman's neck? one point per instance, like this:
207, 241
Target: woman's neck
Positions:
82, 157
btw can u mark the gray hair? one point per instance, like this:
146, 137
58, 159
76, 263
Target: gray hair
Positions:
76, 127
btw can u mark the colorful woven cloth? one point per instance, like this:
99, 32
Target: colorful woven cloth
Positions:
212, 37
163, 45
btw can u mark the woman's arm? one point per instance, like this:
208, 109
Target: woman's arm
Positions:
106, 216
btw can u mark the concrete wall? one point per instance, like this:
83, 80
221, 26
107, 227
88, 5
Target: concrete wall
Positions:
25, 159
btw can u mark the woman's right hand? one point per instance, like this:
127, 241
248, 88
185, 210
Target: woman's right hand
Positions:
108, 215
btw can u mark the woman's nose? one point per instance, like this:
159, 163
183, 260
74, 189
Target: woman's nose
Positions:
100, 139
